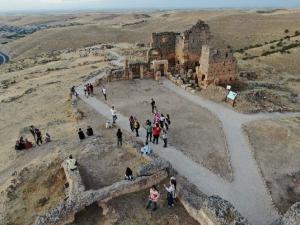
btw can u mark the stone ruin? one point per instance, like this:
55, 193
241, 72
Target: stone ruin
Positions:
206, 210
186, 56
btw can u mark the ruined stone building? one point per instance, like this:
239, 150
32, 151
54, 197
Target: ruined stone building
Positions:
191, 50
217, 66
182, 49
187, 53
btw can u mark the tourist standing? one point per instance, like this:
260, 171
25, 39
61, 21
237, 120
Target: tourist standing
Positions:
153, 198
92, 89
114, 114
104, 93
131, 123
148, 130
170, 194
119, 137
85, 91
32, 131
156, 133
38, 136
165, 138
152, 105
162, 121
136, 126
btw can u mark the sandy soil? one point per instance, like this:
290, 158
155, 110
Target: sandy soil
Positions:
276, 147
130, 210
193, 130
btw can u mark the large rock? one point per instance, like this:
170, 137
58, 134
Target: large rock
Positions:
206, 210
153, 167
291, 217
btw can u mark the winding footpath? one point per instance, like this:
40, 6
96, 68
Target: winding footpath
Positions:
247, 192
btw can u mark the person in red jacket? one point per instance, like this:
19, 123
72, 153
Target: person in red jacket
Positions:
156, 132
153, 198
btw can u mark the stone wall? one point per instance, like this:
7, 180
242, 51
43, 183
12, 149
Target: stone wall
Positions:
207, 210
165, 44
189, 44
217, 66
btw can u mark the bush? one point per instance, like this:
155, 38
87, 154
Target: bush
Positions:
272, 47
286, 31
297, 33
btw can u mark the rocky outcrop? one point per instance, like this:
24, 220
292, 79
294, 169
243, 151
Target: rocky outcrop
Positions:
207, 210
153, 167
291, 217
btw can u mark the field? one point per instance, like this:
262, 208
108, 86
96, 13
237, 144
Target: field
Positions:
35, 87
276, 148
193, 129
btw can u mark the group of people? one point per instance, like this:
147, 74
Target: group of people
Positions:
89, 132
24, 143
88, 90
155, 195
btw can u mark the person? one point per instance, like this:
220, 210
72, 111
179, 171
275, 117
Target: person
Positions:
153, 198
156, 133
119, 136
81, 134
32, 131
72, 163
174, 182
136, 126
168, 121
165, 138
85, 91
152, 105
89, 131
131, 123
27, 144
47, 138
114, 114
128, 174
104, 93
156, 118
146, 150
88, 88
18, 147
148, 130
92, 89
73, 91
170, 194
162, 121
22, 143
38, 136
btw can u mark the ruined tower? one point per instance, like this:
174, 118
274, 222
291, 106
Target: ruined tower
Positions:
217, 66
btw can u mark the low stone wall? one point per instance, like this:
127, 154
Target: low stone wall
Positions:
207, 210
78, 198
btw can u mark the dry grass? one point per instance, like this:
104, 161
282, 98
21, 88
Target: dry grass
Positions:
276, 147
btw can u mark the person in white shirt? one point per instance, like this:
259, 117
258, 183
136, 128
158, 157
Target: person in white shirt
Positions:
72, 163
104, 93
114, 114
146, 150
170, 194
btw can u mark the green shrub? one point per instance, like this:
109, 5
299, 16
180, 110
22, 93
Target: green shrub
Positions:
286, 31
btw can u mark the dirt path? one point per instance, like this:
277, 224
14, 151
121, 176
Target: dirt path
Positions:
247, 192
